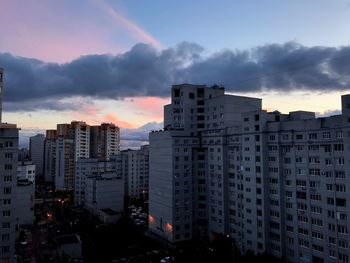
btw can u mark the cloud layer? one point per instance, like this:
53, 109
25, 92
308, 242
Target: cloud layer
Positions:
146, 71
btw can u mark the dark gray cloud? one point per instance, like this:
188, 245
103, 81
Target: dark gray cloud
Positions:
37, 105
144, 71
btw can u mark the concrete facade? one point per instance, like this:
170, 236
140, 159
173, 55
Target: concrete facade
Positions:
275, 183
133, 166
89, 168
105, 141
73, 142
36, 152
50, 155
25, 202
8, 181
26, 171
104, 192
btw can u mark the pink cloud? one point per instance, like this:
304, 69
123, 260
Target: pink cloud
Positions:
112, 117
152, 107
63, 30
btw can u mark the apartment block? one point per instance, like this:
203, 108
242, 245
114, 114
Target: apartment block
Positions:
25, 193
104, 196
26, 171
50, 155
8, 182
105, 141
132, 165
89, 168
273, 182
36, 152
72, 142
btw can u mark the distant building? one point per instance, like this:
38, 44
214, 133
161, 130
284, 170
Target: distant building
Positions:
104, 141
89, 168
36, 152
26, 171
8, 182
73, 142
23, 155
50, 155
104, 196
132, 165
25, 202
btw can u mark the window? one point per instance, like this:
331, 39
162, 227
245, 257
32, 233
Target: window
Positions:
326, 135
7, 190
338, 147
312, 136
6, 213
339, 135
299, 136
8, 167
6, 225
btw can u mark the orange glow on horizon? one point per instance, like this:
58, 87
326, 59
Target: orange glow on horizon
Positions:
111, 117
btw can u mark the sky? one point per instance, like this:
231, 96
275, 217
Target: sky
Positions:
115, 61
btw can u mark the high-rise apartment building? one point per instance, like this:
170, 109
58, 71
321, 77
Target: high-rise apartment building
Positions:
133, 166
8, 182
73, 142
104, 141
275, 183
180, 192
50, 155
36, 152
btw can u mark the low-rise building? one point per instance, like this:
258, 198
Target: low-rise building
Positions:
104, 194
25, 202
89, 168
26, 170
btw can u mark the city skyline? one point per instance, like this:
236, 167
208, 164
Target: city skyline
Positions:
243, 52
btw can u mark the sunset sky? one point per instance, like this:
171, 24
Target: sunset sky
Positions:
115, 61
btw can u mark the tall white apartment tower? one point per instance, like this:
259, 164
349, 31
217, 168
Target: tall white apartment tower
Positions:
8, 182
72, 144
37, 150
133, 166
186, 199
276, 183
